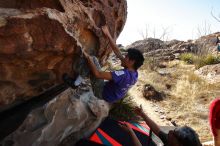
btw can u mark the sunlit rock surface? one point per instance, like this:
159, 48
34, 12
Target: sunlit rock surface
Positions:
208, 43
211, 73
40, 40
161, 50
70, 116
169, 50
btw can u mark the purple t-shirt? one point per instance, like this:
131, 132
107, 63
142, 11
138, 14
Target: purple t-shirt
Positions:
117, 88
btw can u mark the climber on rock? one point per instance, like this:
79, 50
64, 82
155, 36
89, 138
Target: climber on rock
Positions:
118, 81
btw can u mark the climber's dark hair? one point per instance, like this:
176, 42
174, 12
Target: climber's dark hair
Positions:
137, 56
187, 136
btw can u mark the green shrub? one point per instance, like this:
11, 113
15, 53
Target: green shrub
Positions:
187, 57
123, 110
123, 49
210, 59
207, 60
200, 60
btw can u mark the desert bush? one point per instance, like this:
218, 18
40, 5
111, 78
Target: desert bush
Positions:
122, 49
187, 57
123, 110
210, 59
200, 60
206, 60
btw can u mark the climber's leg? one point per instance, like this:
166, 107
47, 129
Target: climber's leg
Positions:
73, 83
81, 68
97, 84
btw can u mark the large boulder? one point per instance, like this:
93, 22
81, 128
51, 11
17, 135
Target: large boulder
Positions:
41, 40
208, 43
169, 50
211, 73
161, 50
72, 115
148, 45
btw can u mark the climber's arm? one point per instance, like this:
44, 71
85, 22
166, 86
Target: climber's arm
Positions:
97, 73
133, 136
153, 126
112, 43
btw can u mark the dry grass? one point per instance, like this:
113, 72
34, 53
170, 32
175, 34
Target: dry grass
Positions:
188, 100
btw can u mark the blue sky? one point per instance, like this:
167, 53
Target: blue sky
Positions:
180, 18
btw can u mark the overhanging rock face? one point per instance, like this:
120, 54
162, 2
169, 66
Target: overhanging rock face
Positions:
41, 40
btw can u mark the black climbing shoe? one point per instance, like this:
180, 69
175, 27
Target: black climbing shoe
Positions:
69, 81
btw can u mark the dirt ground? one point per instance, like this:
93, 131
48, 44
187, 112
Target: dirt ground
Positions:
149, 107
187, 102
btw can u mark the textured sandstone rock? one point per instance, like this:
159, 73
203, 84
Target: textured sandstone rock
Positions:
147, 45
211, 73
208, 43
40, 40
161, 50
71, 115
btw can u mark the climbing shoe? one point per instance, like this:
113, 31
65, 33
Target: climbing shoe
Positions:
78, 80
69, 81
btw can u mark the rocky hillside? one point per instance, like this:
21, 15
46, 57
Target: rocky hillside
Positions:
170, 50
182, 90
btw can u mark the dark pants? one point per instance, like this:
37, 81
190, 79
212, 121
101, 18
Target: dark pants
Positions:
83, 70
97, 84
